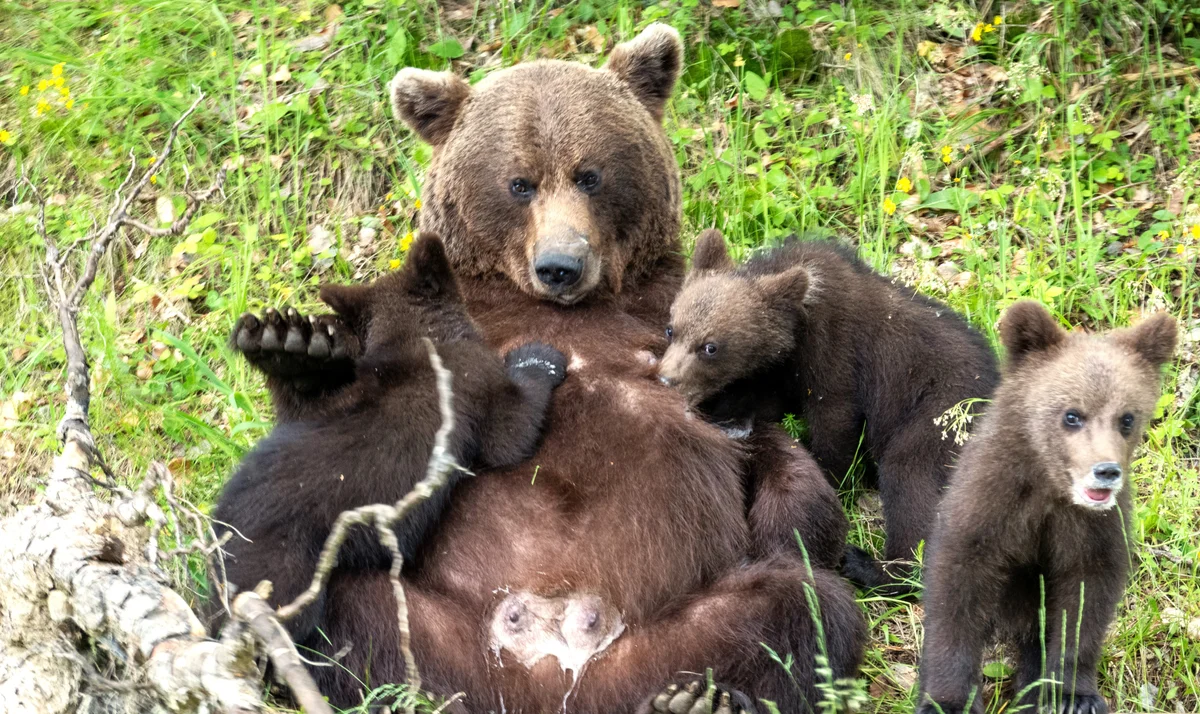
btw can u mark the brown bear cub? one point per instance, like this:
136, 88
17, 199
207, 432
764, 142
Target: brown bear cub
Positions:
1035, 526
372, 442
806, 327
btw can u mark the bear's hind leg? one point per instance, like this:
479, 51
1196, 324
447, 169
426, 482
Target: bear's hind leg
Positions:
724, 628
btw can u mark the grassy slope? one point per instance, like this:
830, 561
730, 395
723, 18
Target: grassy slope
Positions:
803, 121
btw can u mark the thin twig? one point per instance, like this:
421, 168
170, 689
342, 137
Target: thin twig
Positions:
252, 608
384, 517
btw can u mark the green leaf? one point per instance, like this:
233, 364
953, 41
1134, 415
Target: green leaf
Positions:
447, 49
755, 86
397, 45
206, 219
761, 139
951, 199
996, 670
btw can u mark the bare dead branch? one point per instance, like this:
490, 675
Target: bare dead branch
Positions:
384, 517
252, 607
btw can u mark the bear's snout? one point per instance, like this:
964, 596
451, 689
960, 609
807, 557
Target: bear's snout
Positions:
558, 271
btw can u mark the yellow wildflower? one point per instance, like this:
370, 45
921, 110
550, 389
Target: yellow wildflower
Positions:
739, 61
848, 56
1018, 162
997, 20
42, 85
957, 179
69, 104
1196, 231
977, 33
65, 92
389, 197
417, 203
967, 147
57, 69
406, 241
904, 184
42, 107
153, 178
5, 137
1163, 234
889, 206
59, 81
988, 28
393, 264
925, 47
25, 90
1179, 249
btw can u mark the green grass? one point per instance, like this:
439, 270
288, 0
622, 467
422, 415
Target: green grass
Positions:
808, 120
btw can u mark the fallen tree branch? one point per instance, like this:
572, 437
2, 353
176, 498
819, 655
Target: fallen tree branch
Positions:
252, 608
77, 571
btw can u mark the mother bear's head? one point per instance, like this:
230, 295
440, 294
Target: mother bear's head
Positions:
554, 174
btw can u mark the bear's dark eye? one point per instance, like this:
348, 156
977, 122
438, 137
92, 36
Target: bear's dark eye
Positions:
588, 181
709, 349
670, 332
1127, 424
521, 188
1073, 419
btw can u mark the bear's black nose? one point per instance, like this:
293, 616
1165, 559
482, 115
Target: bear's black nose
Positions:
1107, 471
558, 270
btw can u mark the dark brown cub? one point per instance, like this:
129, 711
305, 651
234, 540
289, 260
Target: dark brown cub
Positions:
1034, 528
371, 443
806, 327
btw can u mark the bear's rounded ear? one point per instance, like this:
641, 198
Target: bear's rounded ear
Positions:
650, 64
350, 302
711, 252
1153, 339
427, 270
786, 289
428, 102
1027, 327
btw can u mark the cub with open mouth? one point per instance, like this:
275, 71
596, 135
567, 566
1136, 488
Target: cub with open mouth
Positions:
1038, 515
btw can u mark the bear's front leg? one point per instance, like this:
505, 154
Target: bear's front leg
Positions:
787, 496
306, 359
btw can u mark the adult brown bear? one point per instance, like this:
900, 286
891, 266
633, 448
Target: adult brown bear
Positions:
625, 543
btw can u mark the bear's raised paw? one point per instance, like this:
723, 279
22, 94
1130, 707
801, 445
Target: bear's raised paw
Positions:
537, 360
287, 344
696, 698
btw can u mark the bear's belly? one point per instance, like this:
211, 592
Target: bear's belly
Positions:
629, 498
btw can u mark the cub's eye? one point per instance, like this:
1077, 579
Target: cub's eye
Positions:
670, 332
709, 349
588, 181
1126, 424
520, 188
1073, 419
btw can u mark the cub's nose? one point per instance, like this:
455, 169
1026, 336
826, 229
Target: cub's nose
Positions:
558, 270
1107, 471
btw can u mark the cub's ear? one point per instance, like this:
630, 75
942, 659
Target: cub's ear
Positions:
351, 302
711, 253
1027, 327
1153, 339
428, 102
650, 65
427, 270
786, 288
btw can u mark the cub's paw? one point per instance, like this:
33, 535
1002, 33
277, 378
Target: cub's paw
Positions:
1083, 704
696, 697
537, 361
288, 344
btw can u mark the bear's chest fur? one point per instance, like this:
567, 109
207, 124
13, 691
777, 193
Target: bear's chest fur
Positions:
640, 498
